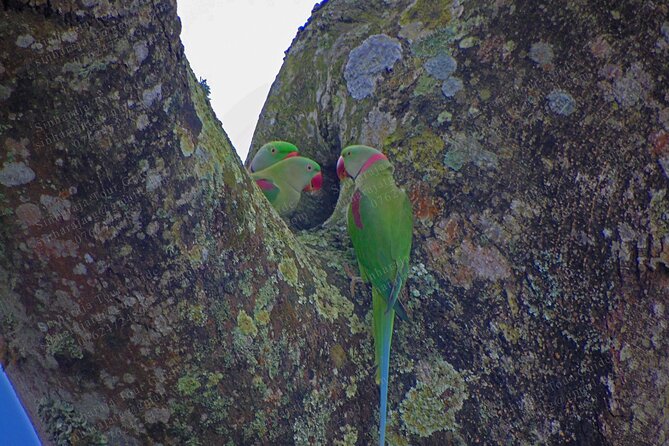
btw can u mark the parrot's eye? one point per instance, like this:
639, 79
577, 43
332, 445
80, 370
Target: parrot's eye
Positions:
308, 167
273, 150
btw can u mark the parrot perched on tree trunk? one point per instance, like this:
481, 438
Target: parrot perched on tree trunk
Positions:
283, 182
271, 153
380, 223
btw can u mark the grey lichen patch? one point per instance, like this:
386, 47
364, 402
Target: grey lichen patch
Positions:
377, 127
153, 180
350, 437
634, 87
441, 66
157, 415
665, 31
483, 262
310, 428
375, 55
5, 92
541, 53
150, 95
444, 116
63, 344
16, 174
422, 284
66, 426
561, 102
466, 149
28, 213
80, 269
24, 40
432, 404
468, 42
142, 121
58, 207
193, 313
330, 304
451, 86
141, 51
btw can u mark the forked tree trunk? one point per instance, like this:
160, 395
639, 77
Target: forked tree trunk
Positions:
150, 295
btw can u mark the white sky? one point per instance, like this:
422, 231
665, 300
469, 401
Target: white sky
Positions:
238, 46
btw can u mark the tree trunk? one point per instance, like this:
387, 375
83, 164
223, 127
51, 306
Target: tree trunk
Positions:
149, 294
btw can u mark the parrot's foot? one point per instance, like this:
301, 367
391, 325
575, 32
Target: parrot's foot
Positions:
354, 279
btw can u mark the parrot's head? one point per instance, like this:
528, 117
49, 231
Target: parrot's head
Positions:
316, 181
272, 153
354, 160
302, 173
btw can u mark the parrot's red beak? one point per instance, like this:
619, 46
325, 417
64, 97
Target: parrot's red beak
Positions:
316, 183
291, 154
341, 169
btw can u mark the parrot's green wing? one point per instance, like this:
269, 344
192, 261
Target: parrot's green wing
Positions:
381, 230
381, 227
269, 188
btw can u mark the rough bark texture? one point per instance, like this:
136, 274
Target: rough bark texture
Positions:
532, 137
149, 294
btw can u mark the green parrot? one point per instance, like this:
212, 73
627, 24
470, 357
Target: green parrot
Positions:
272, 152
380, 223
283, 182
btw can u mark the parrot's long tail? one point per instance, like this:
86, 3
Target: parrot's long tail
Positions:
387, 332
384, 317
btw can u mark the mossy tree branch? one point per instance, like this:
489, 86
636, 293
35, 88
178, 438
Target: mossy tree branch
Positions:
149, 293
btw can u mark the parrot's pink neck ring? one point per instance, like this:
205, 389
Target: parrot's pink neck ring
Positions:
372, 159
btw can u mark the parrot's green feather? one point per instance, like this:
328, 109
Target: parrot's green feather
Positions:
380, 223
383, 244
269, 189
379, 308
271, 153
283, 182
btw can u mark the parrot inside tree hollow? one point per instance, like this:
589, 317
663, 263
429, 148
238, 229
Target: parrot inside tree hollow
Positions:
283, 182
271, 153
380, 223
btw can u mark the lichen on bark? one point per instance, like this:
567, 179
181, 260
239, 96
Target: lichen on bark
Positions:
533, 146
150, 294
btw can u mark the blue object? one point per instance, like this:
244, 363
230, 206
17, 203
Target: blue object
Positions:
15, 426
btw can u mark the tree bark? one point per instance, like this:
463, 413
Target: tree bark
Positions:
532, 137
150, 295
